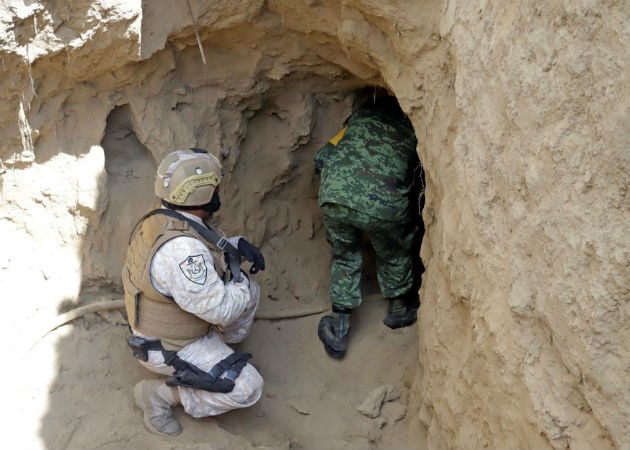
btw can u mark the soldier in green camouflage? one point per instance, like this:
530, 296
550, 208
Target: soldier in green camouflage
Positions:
367, 176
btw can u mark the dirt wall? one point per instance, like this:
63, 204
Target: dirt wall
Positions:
521, 113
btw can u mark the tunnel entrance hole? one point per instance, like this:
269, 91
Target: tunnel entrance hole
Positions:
273, 187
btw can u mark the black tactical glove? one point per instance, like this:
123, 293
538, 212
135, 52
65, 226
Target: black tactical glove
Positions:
251, 254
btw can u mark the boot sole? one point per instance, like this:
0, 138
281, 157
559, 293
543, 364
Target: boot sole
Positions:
338, 354
400, 322
331, 351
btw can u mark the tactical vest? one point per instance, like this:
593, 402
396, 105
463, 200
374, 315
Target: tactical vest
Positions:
148, 311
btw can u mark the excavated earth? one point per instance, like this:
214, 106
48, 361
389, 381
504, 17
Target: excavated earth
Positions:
521, 113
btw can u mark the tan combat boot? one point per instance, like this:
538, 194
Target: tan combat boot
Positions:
156, 400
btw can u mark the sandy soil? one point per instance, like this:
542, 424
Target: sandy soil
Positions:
310, 400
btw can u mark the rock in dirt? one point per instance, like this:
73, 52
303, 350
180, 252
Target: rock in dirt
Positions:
394, 411
300, 406
371, 406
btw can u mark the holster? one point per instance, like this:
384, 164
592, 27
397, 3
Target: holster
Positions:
221, 377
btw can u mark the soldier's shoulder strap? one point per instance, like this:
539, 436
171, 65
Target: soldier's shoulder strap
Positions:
208, 233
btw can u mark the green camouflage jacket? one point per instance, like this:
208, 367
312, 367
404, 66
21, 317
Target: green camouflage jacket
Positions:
371, 167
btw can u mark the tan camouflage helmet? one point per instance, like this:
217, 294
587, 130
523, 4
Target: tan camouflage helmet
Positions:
188, 177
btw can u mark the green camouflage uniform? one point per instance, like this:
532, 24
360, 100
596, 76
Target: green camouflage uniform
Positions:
366, 189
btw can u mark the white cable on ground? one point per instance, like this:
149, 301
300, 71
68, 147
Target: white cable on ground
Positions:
106, 305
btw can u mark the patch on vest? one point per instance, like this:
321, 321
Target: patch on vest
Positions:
194, 268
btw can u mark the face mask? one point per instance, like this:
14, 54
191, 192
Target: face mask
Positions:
214, 205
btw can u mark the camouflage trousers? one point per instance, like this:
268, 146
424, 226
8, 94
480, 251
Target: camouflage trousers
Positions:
393, 244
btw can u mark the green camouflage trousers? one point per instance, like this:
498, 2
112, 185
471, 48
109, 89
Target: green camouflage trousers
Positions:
392, 243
